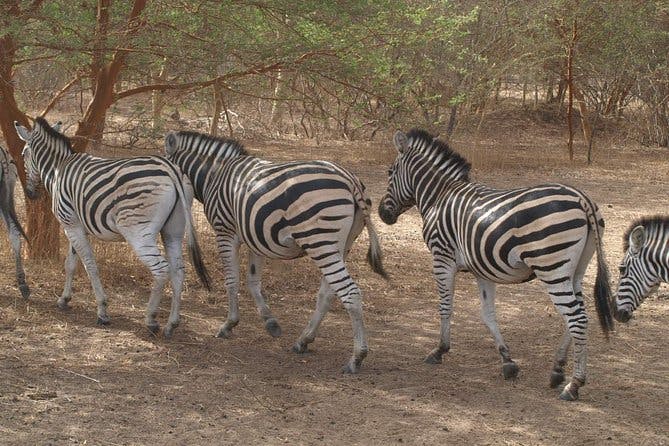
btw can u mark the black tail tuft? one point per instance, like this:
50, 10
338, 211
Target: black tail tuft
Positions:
198, 264
376, 263
603, 297
7, 204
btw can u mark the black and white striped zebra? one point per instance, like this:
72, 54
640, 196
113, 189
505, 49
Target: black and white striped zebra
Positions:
113, 199
8, 177
501, 236
280, 211
645, 264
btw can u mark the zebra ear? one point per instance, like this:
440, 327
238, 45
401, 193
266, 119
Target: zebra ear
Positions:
170, 143
637, 239
23, 132
401, 141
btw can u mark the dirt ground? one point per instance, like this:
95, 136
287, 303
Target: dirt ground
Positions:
64, 380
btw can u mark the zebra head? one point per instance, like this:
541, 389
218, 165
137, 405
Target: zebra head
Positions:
638, 275
33, 139
399, 196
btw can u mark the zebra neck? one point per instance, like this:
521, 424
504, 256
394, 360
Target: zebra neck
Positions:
430, 188
50, 167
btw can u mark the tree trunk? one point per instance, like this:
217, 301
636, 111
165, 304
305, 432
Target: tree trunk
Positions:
42, 227
158, 102
585, 123
218, 108
570, 85
275, 113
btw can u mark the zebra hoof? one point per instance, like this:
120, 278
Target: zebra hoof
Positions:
63, 304
25, 290
570, 393
103, 320
169, 330
352, 367
433, 358
273, 328
224, 333
154, 327
510, 370
557, 378
299, 348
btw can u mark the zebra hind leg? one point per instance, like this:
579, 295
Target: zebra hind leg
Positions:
173, 252
149, 254
254, 284
336, 275
573, 311
487, 294
576, 320
15, 239
325, 295
557, 374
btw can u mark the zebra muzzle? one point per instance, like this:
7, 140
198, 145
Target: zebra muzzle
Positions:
387, 215
622, 315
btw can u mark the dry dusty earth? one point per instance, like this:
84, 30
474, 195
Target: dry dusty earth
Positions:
64, 380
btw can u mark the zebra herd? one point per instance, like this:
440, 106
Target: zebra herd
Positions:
318, 209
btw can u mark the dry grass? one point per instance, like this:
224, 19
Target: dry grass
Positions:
66, 381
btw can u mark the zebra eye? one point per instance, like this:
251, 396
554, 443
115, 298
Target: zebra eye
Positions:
622, 269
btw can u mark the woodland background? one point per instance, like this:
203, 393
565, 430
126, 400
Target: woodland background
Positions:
121, 73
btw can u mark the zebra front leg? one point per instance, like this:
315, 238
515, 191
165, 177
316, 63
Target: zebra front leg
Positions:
15, 239
487, 295
573, 311
254, 284
70, 268
228, 247
444, 273
325, 295
79, 241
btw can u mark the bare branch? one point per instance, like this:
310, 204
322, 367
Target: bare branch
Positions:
60, 94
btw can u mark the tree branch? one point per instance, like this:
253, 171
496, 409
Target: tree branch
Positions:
60, 94
165, 86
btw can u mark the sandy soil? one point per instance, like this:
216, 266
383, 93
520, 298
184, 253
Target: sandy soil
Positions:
64, 380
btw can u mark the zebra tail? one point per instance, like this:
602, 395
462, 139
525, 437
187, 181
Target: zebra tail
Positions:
7, 204
374, 255
194, 251
196, 259
602, 292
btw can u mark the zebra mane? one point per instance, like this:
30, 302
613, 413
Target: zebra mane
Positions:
215, 146
661, 221
53, 134
443, 157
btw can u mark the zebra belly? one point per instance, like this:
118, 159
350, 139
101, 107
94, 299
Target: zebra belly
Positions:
519, 274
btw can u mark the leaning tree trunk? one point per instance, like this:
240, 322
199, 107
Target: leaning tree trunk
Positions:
42, 227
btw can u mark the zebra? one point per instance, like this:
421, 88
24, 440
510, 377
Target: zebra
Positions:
114, 199
8, 176
281, 211
547, 232
645, 264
